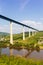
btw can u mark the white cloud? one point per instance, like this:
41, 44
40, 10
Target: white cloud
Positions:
17, 28
34, 24
23, 4
4, 28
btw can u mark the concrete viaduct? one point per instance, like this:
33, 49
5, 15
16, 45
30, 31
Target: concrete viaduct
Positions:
23, 25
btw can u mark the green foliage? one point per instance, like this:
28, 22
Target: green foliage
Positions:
37, 47
12, 60
18, 41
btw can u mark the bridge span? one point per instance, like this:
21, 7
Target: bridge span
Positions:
23, 25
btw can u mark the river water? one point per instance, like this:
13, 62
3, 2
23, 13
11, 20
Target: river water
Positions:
22, 52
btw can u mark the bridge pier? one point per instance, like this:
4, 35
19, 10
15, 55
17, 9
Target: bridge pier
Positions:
35, 32
11, 35
29, 33
23, 33
32, 33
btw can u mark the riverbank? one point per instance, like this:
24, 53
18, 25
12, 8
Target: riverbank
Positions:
41, 47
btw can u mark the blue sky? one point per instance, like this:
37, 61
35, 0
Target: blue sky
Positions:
29, 12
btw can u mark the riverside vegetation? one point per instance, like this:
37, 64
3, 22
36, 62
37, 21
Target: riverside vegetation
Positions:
18, 42
29, 43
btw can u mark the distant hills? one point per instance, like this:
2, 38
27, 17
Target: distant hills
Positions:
3, 33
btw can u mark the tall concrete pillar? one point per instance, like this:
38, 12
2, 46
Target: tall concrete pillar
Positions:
23, 33
29, 33
11, 35
35, 32
32, 33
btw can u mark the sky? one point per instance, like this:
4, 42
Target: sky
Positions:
29, 12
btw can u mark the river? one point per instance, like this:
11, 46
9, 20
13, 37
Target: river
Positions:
22, 52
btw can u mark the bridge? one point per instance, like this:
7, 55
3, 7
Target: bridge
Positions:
23, 25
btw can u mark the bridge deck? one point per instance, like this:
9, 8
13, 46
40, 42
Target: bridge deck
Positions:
11, 20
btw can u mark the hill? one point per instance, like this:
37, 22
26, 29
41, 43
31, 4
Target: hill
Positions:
3, 33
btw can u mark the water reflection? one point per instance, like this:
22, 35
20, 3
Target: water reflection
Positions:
22, 52
4, 51
16, 52
11, 51
36, 55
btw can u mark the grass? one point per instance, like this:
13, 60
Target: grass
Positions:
12, 60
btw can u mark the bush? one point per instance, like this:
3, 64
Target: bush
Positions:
37, 48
